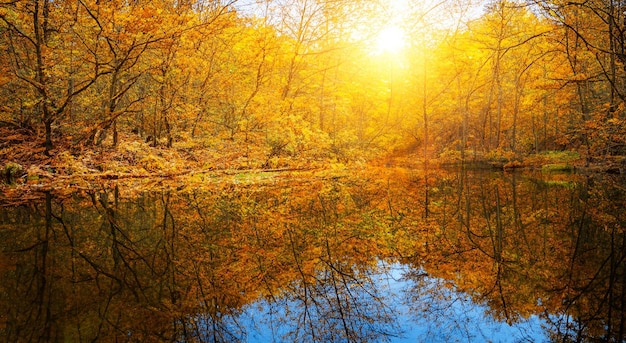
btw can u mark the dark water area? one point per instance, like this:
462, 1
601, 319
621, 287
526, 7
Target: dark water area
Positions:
387, 255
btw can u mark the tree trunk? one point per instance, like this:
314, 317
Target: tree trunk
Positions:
40, 21
48, 126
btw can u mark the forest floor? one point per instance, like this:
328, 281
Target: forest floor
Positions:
27, 168
26, 171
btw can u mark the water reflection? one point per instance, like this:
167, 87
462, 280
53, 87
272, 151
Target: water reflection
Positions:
367, 258
420, 309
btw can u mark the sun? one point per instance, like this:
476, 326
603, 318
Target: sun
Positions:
391, 39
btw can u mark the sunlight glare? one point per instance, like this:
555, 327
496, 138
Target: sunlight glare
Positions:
390, 40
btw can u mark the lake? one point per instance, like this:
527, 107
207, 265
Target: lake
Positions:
376, 255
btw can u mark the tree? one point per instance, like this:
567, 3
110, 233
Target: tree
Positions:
48, 58
593, 37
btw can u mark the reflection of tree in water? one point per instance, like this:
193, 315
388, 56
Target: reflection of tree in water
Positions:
338, 304
168, 266
528, 247
103, 268
593, 273
442, 313
333, 295
216, 328
160, 266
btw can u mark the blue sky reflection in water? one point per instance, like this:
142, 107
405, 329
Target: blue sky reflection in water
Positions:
417, 308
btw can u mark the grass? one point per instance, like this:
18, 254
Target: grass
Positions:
561, 156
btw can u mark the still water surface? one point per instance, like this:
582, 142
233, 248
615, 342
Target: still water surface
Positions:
369, 256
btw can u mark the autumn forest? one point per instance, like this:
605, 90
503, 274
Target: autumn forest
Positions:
127, 86
312, 170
